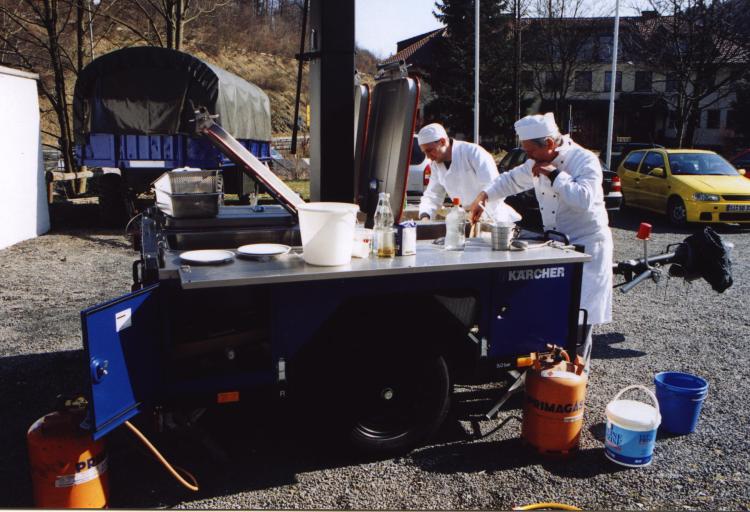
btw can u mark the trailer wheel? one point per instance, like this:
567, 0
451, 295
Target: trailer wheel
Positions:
393, 404
112, 207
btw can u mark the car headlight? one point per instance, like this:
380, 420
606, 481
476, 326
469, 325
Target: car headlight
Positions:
702, 196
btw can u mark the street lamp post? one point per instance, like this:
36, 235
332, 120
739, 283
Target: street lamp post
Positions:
91, 27
476, 71
613, 82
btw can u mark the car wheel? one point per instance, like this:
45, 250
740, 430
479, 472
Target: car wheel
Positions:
677, 212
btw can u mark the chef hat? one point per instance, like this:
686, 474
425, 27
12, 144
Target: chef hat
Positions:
537, 126
431, 133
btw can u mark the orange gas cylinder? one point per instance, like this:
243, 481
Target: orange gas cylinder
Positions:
553, 408
68, 468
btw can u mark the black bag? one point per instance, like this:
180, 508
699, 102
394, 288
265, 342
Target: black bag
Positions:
703, 254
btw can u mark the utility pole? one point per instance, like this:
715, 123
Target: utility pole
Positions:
613, 82
517, 59
91, 26
476, 71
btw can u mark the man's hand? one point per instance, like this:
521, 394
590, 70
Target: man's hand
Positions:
542, 168
424, 216
475, 210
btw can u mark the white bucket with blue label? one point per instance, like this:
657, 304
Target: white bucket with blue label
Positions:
631, 429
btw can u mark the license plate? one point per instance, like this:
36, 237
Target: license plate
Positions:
738, 207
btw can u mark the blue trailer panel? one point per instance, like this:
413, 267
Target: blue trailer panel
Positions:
159, 151
123, 340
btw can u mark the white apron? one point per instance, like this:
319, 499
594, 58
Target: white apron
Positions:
574, 205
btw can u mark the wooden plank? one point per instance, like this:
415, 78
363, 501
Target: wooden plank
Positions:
66, 176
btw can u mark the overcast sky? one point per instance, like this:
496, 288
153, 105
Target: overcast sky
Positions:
381, 23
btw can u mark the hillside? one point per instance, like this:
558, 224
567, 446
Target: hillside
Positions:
275, 74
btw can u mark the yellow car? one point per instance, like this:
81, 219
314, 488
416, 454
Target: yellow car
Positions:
688, 185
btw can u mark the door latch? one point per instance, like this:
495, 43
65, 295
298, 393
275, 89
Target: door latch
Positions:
99, 369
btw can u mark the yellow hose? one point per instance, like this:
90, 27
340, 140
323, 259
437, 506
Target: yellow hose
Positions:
549, 505
173, 470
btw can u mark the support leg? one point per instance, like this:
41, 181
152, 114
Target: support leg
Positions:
515, 388
585, 350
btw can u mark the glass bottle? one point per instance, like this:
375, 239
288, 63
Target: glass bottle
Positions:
384, 236
455, 227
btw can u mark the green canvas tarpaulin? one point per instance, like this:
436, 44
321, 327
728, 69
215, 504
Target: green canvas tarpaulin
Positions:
151, 90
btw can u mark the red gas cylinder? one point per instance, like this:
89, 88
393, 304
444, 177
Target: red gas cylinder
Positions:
68, 468
553, 408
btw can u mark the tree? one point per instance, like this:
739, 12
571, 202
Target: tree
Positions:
451, 74
165, 20
558, 44
36, 37
701, 51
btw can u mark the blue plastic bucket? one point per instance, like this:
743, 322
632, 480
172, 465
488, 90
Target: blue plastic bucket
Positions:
680, 398
631, 429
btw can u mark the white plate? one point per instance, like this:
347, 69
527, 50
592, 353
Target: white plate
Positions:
207, 256
263, 250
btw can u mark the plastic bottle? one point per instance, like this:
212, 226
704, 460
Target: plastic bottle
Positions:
455, 227
384, 243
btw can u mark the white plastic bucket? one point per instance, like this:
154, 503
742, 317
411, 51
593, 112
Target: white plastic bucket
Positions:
327, 231
631, 429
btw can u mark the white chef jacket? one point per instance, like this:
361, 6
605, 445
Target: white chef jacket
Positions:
471, 169
574, 205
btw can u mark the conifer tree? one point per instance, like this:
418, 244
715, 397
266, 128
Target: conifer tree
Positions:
451, 73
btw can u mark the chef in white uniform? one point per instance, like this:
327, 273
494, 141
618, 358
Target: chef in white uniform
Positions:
460, 169
567, 181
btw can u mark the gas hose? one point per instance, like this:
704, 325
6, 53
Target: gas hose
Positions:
549, 505
173, 470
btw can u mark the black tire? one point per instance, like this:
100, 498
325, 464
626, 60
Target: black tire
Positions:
113, 210
380, 406
396, 404
676, 212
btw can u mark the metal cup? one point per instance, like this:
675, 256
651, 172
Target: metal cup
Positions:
502, 235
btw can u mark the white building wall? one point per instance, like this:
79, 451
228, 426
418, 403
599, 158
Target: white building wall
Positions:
23, 196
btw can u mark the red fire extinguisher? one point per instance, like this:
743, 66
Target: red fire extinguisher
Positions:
68, 468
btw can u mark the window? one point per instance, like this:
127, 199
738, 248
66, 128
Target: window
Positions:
608, 81
527, 80
713, 119
583, 81
672, 120
632, 161
417, 157
700, 163
732, 119
643, 81
670, 83
551, 82
605, 48
517, 158
652, 161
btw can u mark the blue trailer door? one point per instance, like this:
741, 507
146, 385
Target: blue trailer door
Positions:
122, 339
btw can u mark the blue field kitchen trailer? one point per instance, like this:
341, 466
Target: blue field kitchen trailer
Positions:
373, 347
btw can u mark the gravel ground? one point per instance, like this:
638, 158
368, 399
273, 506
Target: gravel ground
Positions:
245, 460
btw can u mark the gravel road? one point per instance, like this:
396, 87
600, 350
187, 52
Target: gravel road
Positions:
250, 461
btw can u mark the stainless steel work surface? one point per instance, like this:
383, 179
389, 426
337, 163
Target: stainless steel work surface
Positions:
429, 258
